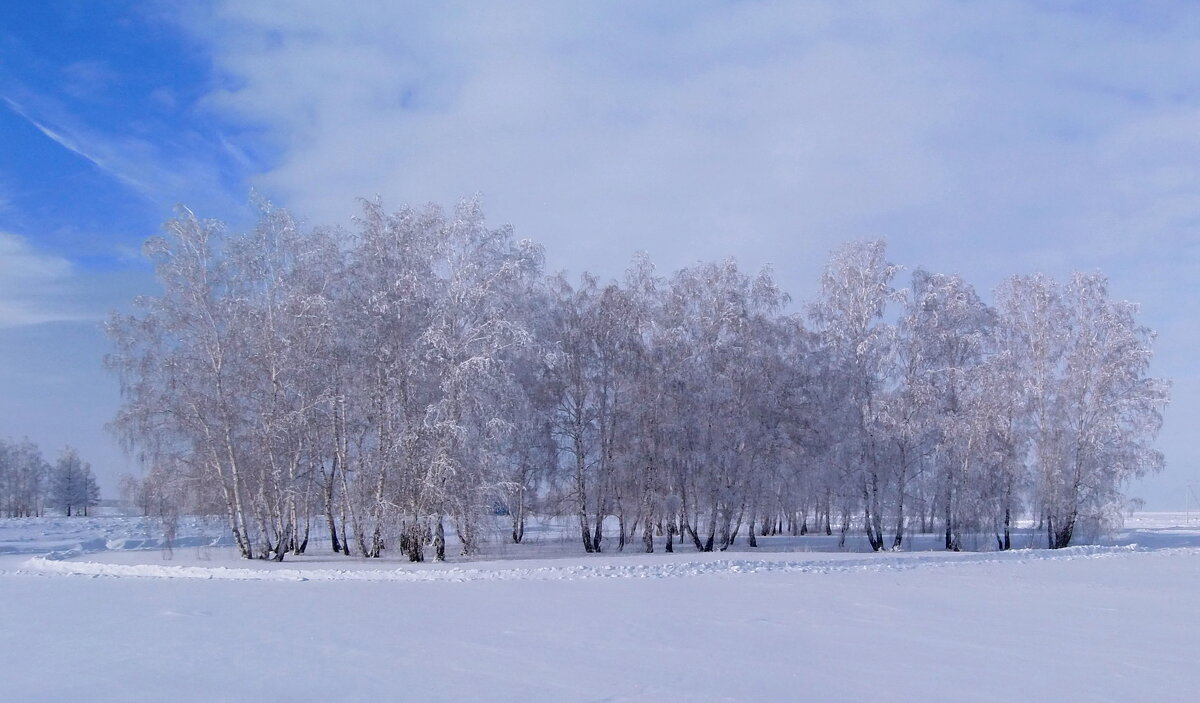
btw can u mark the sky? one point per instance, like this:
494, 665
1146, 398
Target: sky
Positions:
986, 139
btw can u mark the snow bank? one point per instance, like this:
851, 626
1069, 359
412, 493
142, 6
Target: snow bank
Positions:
631, 569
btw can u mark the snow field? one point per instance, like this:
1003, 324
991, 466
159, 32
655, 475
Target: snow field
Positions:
1117, 622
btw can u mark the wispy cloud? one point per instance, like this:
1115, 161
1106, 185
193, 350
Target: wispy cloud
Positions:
91, 150
974, 136
178, 167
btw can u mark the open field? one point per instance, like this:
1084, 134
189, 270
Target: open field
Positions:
1119, 621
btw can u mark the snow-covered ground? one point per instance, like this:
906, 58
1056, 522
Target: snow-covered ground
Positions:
94, 607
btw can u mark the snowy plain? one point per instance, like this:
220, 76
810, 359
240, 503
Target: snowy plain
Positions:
94, 608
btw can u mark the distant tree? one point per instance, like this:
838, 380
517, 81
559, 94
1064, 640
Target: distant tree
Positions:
73, 487
23, 476
133, 494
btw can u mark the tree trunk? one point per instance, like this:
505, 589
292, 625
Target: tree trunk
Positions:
899, 539
439, 540
327, 494
518, 529
951, 536
518, 518
1060, 537
585, 532
598, 529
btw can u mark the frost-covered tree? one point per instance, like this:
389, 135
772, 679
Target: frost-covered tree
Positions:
949, 330
1090, 409
477, 328
178, 361
586, 368
727, 337
23, 479
73, 487
855, 291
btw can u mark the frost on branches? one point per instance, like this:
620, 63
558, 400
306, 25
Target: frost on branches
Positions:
423, 374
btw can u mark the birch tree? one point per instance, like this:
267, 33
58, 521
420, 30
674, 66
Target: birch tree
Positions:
856, 288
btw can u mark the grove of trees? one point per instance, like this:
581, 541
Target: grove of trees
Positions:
423, 374
29, 484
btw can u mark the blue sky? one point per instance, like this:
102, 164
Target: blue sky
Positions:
979, 138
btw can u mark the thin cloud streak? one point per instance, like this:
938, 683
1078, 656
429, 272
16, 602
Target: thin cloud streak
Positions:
72, 144
184, 166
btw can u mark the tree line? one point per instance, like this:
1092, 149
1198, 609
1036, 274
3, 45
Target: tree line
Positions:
423, 373
29, 484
